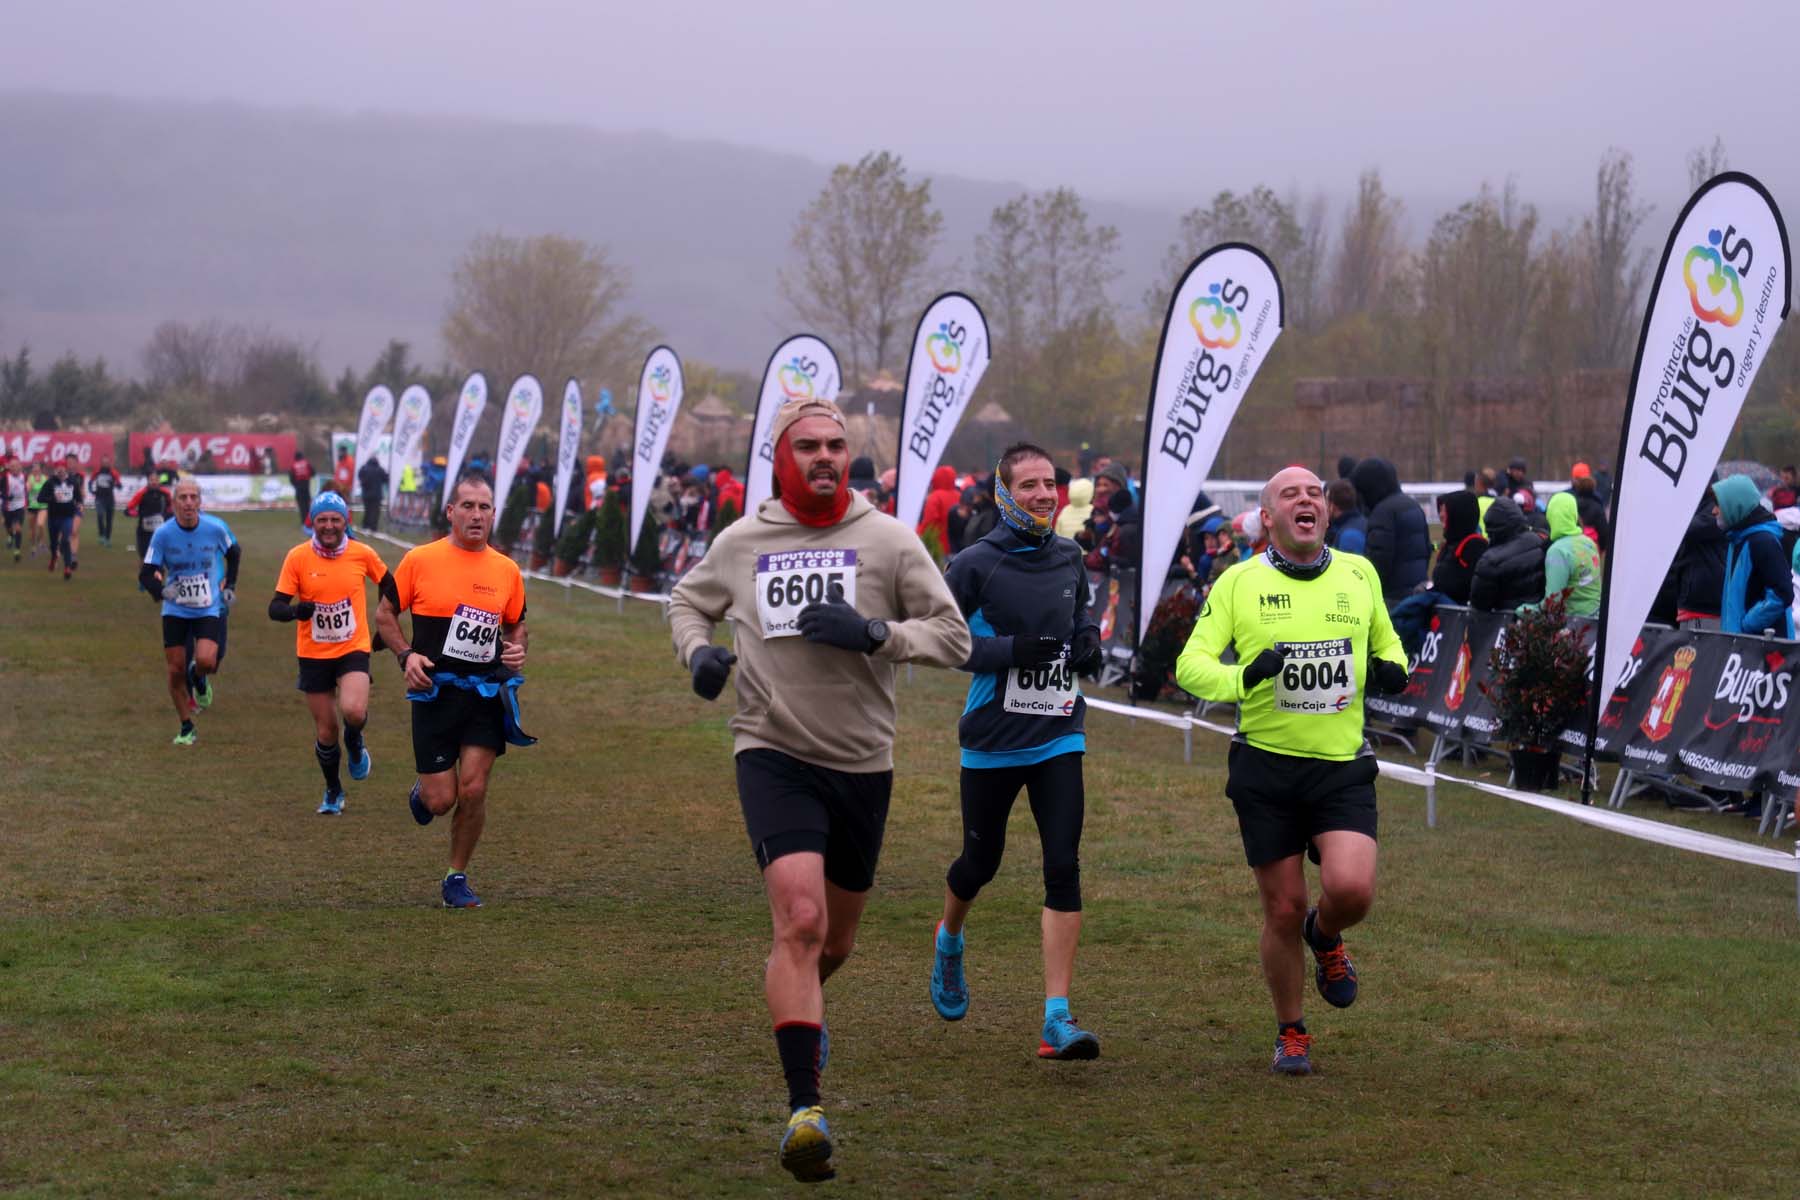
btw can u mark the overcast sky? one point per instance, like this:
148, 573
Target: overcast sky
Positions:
1163, 102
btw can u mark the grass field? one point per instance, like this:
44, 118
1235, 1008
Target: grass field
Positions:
207, 990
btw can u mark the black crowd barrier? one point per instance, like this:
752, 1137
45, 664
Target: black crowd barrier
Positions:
1710, 706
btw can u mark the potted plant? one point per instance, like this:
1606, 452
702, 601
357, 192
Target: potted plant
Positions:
1170, 624
646, 556
543, 540
573, 541
518, 503
609, 539
1538, 686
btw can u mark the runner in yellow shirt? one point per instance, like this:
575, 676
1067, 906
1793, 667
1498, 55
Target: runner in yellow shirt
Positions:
1311, 632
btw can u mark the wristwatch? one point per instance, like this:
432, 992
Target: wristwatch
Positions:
877, 630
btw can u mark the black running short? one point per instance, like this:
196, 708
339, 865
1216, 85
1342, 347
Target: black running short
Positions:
15, 517
456, 718
1283, 800
792, 807
177, 630
322, 674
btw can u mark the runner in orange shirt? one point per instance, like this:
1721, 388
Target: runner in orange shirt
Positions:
321, 590
461, 664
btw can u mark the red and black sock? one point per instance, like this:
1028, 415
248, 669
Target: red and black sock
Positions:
798, 1044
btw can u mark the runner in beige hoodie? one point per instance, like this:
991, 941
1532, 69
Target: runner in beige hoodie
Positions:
826, 595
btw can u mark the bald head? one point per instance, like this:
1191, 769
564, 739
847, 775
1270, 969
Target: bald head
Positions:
1293, 511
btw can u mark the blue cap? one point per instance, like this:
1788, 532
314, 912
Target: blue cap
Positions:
329, 502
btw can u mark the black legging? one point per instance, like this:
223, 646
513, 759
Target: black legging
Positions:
103, 514
1055, 792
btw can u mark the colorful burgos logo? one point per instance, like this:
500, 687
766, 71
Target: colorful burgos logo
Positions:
945, 352
796, 384
1215, 321
521, 402
660, 380
1712, 283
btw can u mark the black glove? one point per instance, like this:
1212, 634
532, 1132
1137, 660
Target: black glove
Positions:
303, 609
1266, 665
1085, 652
1386, 678
711, 666
1035, 651
834, 623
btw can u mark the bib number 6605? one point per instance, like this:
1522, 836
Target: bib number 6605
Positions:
791, 591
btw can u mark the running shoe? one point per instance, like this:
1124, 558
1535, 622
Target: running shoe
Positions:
1064, 1039
1293, 1053
332, 804
457, 893
1336, 975
806, 1146
949, 994
186, 737
359, 766
203, 691
416, 802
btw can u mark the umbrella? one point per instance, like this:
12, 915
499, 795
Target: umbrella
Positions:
1763, 477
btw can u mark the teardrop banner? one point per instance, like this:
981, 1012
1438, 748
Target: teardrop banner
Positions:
802, 368
470, 406
409, 435
568, 447
1225, 313
659, 399
950, 353
1720, 295
377, 412
524, 405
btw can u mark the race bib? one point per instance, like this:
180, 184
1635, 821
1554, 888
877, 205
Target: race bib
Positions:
1316, 677
151, 522
1046, 690
788, 581
334, 622
474, 634
194, 591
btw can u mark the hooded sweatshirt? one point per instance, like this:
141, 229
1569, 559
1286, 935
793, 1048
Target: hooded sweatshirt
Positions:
1399, 540
818, 703
942, 498
1463, 546
1510, 573
1759, 588
1572, 563
1076, 512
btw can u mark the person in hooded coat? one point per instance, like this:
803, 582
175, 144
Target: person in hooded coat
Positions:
1460, 514
1759, 588
1699, 567
1399, 541
943, 497
1510, 573
1572, 563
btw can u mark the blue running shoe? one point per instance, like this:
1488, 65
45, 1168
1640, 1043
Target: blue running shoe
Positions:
1064, 1039
457, 893
949, 994
359, 766
416, 802
824, 1048
1293, 1053
1336, 974
332, 804
806, 1146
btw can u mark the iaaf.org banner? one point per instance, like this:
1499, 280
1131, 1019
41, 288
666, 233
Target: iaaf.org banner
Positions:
802, 368
249, 452
377, 412
658, 400
409, 435
1226, 312
1721, 292
950, 353
89, 449
568, 447
470, 405
524, 405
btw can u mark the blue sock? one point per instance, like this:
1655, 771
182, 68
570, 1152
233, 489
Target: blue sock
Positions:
1054, 1005
949, 943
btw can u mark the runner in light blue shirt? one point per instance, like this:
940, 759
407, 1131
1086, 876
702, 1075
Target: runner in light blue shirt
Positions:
191, 568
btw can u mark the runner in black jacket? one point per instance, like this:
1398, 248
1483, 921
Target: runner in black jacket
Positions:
1024, 592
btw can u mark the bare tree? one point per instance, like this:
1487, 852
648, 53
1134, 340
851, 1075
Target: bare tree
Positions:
1370, 251
194, 358
1703, 162
1003, 273
1258, 217
1477, 285
861, 248
1611, 274
549, 305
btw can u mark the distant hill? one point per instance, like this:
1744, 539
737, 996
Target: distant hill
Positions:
342, 229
